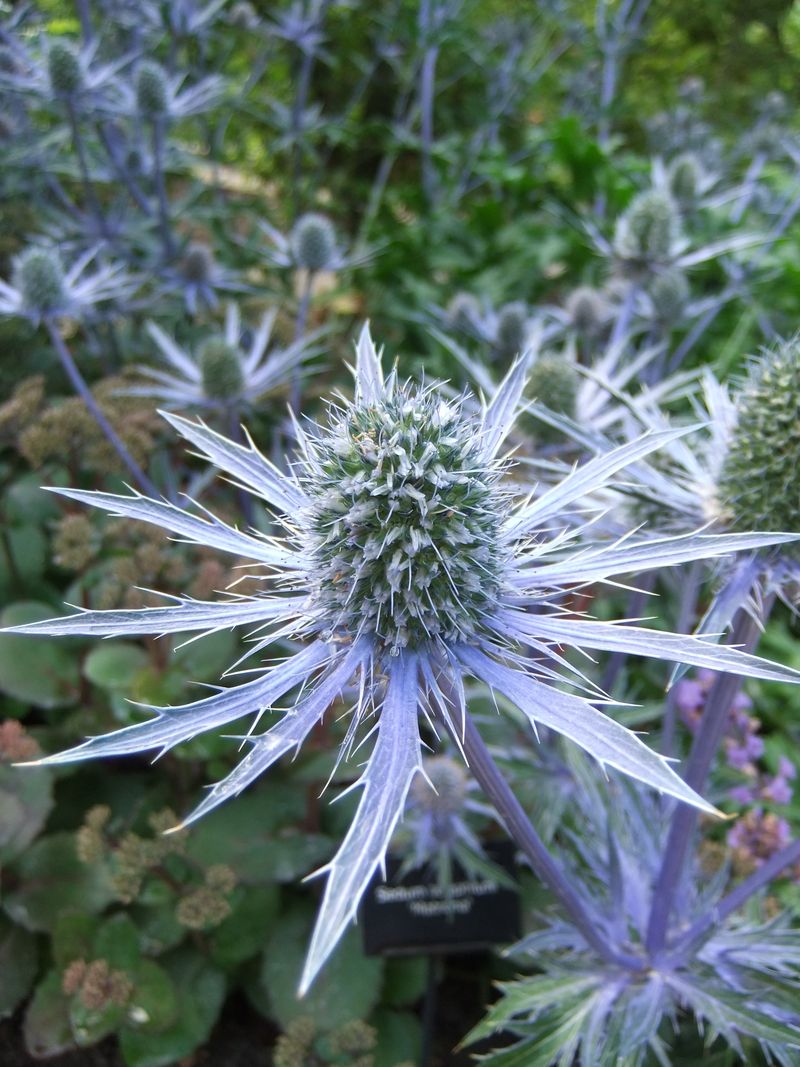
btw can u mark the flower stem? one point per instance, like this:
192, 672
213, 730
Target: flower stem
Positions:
710, 731
82, 389
299, 329
491, 780
161, 189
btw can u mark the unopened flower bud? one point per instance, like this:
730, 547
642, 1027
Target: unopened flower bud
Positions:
512, 321
39, 276
197, 265
221, 369
463, 312
63, 68
669, 293
152, 92
647, 232
553, 382
313, 241
685, 177
587, 309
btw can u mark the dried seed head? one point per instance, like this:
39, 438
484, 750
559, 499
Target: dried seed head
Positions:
669, 292
63, 68
759, 487
587, 309
512, 322
647, 232
405, 527
463, 312
221, 368
39, 276
313, 242
152, 93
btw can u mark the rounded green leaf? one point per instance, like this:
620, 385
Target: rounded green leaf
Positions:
18, 963
36, 671
47, 1028
113, 665
26, 798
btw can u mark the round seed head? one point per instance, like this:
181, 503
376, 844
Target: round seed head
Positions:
39, 276
685, 176
669, 292
197, 265
463, 312
405, 525
221, 368
759, 488
313, 242
587, 309
512, 321
646, 233
63, 69
152, 92
444, 791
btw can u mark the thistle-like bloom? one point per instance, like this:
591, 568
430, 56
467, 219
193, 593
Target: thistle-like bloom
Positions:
409, 564
156, 95
42, 288
312, 245
228, 370
64, 73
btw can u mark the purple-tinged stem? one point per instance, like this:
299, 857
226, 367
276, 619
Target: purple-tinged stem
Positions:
165, 225
748, 186
299, 329
82, 389
492, 782
736, 899
690, 591
88, 185
625, 315
744, 634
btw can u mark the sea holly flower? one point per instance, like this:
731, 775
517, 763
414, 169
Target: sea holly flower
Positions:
234, 369
42, 287
409, 564
311, 245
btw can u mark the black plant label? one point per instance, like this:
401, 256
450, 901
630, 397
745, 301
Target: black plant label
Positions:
413, 914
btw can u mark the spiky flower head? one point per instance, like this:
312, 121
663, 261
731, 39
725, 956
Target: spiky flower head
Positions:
759, 486
63, 68
587, 310
648, 230
463, 312
313, 242
405, 521
39, 277
408, 567
669, 294
512, 323
152, 89
685, 176
554, 383
221, 369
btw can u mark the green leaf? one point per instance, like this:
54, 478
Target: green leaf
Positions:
245, 931
26, 798
251, 837
90, 1025
348, 988
113, 665
73, 934
47, 1028
18, 964
27, 547
117, 941
36, 671
51, 881
204, 659
404, 981
399, 1038
154, 1003
201, 992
